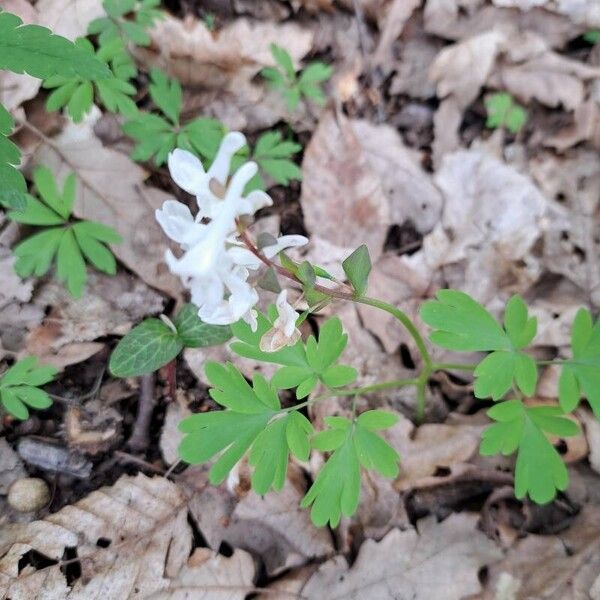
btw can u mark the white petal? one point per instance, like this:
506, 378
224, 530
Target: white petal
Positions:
239, 181
286, 321
187, 171
230, 144
258, 199
285, 241
243, 257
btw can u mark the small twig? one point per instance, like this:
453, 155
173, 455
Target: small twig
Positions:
140, 439
125, 456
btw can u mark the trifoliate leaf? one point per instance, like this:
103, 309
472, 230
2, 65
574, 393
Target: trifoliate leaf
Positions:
194, 333
463, 324
69, 243
253, 421
539, 472
19, 387
357, 267
37, 51
503, 111
336, 490
581, 374
146, 348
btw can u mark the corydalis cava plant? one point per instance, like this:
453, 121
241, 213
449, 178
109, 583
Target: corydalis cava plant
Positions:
215, 264
218, 263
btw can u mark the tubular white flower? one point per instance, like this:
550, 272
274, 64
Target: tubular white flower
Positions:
284, 331
284, 242
178, 223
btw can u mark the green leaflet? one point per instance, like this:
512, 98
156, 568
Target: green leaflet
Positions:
293, 87
252, 420
154, 343
76, 94
19, 387
37, 51
540, 472
336, 490
581, 374
460, 323
503, 111
303, 365
67, 244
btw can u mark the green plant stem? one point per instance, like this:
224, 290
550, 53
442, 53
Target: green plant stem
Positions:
405, 320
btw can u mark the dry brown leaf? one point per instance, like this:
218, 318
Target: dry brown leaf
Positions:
463, 68
69, 18
393, 23
411, 193
436, 560
413, 66
592, 434
144, 522
446, 124
15, 89
273, 527
11, 466
342, 198
552, 567
111, 190
170, 436
211, 576
550, 78
492, 217
459, 19
426, 449
195, 56
584, 12
313, 6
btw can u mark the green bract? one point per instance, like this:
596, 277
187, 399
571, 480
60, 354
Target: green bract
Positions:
19, 387
70, 244
357, 267
581, 374
304, 364
463, 324
336, 489
540, 471
293, 86
153, 343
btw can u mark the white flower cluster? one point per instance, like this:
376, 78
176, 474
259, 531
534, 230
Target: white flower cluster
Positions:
215, 264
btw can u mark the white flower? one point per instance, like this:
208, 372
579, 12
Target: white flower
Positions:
284, 331
178, 223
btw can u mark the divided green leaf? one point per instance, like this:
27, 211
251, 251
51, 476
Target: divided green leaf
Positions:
336, 490
540, 471
293, 87
68, 244
252, 421
303, 365
581, 374
76, 94
37, 51
462, 324
19, 387
503, 111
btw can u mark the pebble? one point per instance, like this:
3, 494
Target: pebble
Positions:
28, 494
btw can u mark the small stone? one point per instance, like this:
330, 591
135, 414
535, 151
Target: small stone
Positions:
28, 494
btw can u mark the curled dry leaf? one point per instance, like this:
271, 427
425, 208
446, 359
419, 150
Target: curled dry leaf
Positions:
126, 204
585, 13
69, 18
435, 560
11, 467
273, 526
571, 562
189, 52
132, 540
492, 217
110, 305
211, 576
